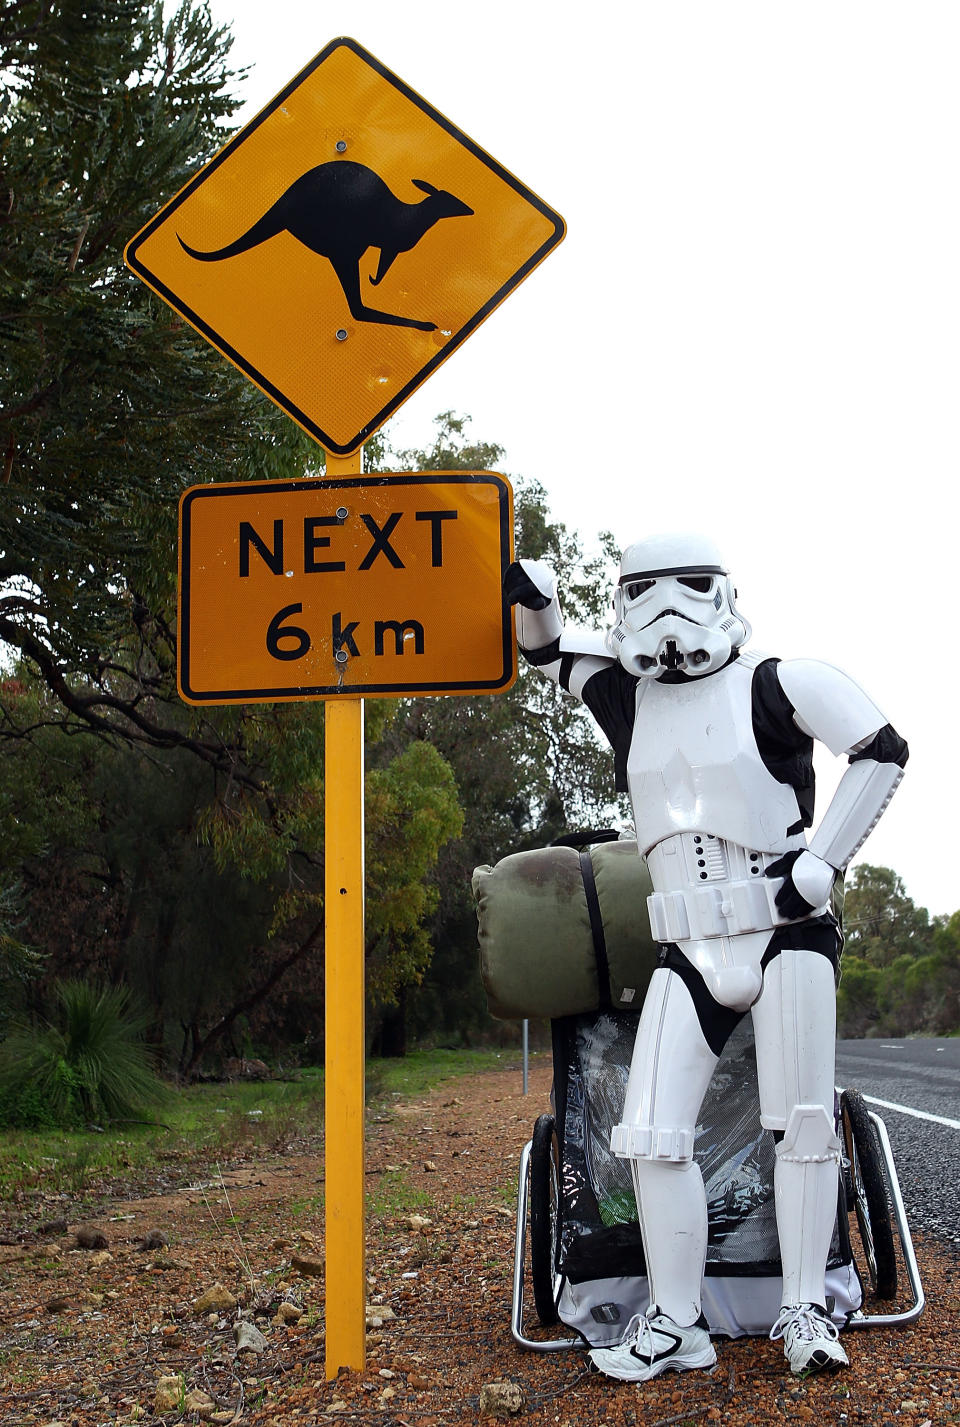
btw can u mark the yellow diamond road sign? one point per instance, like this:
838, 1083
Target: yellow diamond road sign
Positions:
343, 244
370, 585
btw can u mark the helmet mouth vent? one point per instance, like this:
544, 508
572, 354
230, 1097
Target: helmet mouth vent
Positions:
664, 614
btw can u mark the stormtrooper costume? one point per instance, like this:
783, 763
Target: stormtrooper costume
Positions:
714, 746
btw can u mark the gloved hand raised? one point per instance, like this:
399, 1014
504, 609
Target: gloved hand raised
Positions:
529, 583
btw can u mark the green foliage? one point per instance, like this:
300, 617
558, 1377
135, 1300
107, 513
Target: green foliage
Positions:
412, 805
204, 894
90, 1063
17, 961
900, 972
880, 921
528, 764
109, 405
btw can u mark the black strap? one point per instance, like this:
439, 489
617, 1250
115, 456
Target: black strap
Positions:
596, 929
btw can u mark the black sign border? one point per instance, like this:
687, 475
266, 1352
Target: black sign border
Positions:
332, 691
284, 402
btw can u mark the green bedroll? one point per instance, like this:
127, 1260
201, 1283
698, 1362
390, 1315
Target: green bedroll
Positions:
564, 930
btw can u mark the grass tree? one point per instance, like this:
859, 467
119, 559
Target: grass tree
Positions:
88, 1062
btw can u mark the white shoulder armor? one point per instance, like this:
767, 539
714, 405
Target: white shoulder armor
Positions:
829, 705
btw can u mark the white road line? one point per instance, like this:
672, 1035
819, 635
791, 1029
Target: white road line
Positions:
917, 1114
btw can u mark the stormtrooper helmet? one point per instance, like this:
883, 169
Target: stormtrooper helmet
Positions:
674, 608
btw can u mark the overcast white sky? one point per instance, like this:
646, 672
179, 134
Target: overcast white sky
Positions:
752, 326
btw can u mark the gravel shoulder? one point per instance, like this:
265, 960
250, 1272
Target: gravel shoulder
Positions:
86, 1335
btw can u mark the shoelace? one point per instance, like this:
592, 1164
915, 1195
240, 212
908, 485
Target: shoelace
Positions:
806, 1323
640, 1325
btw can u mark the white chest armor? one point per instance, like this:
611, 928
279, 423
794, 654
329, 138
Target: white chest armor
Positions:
694, 765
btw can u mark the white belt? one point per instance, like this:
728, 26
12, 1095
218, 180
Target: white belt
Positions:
727, 909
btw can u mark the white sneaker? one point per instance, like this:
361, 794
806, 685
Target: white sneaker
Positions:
809, 1339
654, 1344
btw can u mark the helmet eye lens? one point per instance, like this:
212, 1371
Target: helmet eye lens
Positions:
701, 584
636, 588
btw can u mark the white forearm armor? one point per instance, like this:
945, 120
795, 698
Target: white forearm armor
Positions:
537, 628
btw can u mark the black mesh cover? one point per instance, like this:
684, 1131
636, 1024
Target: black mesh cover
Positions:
599, 1235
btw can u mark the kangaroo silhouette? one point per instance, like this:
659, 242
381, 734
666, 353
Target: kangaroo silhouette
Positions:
339, 210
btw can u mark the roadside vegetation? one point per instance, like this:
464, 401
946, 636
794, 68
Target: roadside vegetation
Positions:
201, 1126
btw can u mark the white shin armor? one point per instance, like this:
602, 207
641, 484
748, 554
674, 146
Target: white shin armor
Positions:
672, 1210
805, 1188
669, 1075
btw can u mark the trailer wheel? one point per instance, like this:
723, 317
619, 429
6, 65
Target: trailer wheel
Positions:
545, 1219
868, 1187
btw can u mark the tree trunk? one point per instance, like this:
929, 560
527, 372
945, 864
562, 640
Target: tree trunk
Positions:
202, 1044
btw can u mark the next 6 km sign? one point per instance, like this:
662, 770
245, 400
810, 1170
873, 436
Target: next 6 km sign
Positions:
381, 585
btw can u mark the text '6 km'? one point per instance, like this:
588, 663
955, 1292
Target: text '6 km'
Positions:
346, 587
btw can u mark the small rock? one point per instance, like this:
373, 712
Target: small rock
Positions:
102, 1257
223, 1418
200, 1403
386, 1394
417, 1221
908, 1406
310, 1264
501, 1399
429, 1166
240, 1069
169, 1394
88, 1238
288, 1313
248, 1338
155, 1239
215, 1298
385, 1372
53, 1226
378, 1314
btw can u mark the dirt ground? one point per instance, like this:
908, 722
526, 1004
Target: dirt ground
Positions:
90, 1335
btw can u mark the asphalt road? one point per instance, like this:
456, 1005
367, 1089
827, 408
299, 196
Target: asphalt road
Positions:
923, 1077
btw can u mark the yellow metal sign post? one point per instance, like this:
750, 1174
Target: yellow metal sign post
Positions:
344, 1026
340, 247
352, 585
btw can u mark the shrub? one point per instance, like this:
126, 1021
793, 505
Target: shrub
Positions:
88, 1063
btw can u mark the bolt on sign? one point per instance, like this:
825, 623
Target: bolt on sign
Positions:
373, 585
343, 244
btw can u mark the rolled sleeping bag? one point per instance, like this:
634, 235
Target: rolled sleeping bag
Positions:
565, 931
